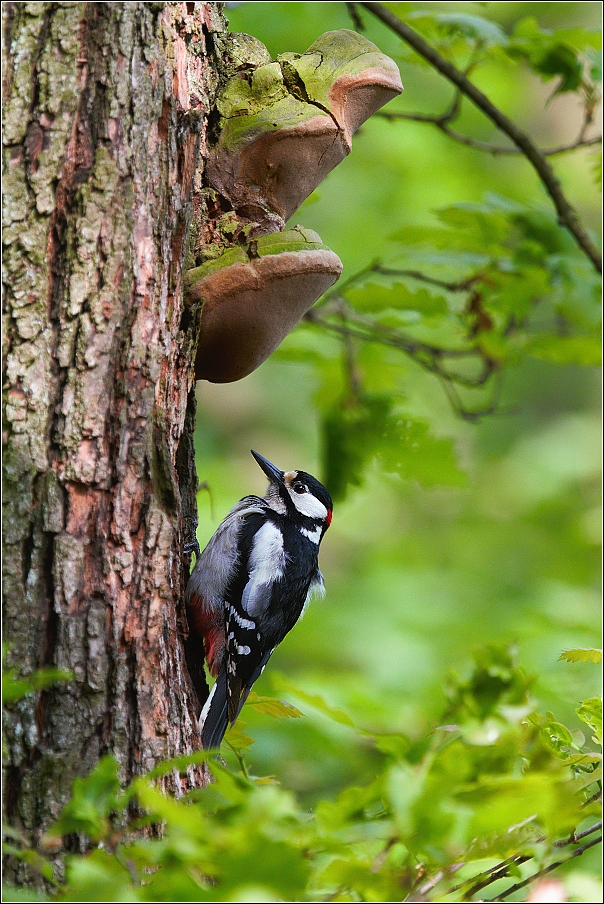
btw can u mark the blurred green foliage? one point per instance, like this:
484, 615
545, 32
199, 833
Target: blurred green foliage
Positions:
449, 532
454, 415
495, 780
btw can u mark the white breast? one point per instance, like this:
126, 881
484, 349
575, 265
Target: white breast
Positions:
266, 565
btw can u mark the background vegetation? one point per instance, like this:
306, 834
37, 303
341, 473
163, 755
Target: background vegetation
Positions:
463, 557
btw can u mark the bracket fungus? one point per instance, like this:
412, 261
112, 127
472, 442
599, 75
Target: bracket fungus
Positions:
284, 125
253, 296
288, 123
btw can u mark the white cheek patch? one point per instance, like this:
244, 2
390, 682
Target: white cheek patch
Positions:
308, 505
314, 535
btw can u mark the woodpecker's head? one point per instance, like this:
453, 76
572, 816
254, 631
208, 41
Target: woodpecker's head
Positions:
296, 493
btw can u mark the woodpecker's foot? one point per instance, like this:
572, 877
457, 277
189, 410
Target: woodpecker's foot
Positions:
192, 546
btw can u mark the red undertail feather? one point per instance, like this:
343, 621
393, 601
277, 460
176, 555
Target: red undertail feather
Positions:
210, 626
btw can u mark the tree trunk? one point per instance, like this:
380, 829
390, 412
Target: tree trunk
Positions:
106, 115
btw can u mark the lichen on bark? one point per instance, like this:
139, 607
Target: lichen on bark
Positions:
105, 121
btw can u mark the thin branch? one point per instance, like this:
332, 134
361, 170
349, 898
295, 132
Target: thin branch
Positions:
593, 798
546, 870
494, 149
462, 286
431, 358
434, 881
354, 15
474, 415
496, 873
500, 870
240, 760
427, 355
566, 213
575, 838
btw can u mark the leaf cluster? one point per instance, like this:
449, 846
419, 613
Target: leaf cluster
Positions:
487, 286
567, 54
494, 785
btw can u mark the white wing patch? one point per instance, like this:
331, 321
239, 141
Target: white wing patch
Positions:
218, 561
242, 622
243, 650
267, 561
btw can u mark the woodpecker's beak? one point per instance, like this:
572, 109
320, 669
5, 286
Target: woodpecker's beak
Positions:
273, 473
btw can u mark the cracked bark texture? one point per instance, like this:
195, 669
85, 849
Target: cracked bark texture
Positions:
105, 119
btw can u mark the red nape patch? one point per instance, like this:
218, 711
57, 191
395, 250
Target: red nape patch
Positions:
328, 517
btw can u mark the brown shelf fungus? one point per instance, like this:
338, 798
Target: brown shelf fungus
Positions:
286, 124
253, 296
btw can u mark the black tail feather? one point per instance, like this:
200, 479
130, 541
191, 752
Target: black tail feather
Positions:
217, 717
216, 720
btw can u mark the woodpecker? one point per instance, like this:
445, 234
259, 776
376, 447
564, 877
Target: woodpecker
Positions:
251, 584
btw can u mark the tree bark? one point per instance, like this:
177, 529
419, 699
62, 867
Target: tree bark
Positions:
106, 118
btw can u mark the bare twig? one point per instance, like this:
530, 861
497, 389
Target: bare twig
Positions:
462, 286
548, 869
567, 215
351, 325
500, 870
429, 356
496, 150
438, 877
354, 15
575, 838
593, 798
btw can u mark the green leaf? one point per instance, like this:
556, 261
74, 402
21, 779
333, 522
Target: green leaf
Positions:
515, 292
336, 715
502, 801
590, 712
473, 26
559, 733
236, 737
393, 745
553, 53
266, 863
359, 430
581, 654
410, 450
98, 877
270, 706
352, 435
180, 764
374, 297
14, 688
585, 351
92, 800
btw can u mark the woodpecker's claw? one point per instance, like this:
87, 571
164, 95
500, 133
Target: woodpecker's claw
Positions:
192, 546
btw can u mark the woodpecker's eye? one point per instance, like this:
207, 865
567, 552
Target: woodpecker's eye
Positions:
299, 488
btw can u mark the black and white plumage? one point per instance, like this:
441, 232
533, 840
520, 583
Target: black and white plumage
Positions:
251, 583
